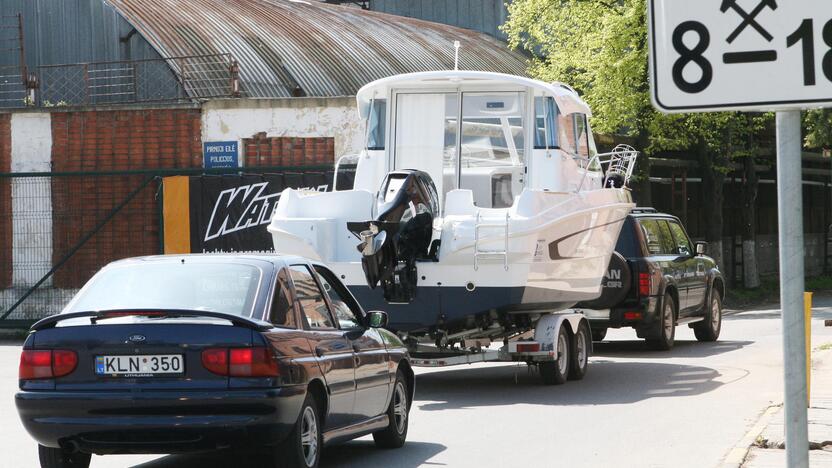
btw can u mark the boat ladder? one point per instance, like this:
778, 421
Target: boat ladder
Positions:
488, 253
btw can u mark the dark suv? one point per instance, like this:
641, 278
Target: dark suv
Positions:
658, 279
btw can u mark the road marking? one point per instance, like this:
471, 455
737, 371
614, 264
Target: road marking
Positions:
736, 457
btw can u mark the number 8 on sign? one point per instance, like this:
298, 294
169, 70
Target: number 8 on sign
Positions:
688, 55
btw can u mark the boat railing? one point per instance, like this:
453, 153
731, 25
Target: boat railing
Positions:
617, 166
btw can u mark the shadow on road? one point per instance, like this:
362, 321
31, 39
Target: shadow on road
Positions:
359, 453
824, 313
681, 349
607, 383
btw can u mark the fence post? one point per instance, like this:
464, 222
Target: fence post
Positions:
86, 84
234, 70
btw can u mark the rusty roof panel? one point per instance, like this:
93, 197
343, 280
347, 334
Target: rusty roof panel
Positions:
294, 47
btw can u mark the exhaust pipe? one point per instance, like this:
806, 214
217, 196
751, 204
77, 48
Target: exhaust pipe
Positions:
71, 446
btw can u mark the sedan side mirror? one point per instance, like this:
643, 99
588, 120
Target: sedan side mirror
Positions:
377, 319
700, 248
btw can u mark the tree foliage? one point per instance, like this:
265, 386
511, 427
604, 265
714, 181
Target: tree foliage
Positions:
600, 48
818, 125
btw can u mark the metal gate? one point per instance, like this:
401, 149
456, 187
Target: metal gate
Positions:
58, 229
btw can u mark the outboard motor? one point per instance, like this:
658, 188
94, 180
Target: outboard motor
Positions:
401, 233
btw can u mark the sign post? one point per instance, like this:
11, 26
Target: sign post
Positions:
790, 237
727, 55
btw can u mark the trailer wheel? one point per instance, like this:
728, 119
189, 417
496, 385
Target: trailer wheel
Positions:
556, 372
579, 363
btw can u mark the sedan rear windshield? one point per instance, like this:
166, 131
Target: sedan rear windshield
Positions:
222, 287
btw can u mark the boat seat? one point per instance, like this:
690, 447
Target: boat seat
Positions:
460, 202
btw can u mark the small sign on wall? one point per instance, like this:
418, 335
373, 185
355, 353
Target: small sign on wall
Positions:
220, 154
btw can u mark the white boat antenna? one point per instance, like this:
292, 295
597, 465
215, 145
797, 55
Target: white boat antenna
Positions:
456, 55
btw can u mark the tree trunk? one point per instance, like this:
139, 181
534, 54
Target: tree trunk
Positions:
750, 270
712, 186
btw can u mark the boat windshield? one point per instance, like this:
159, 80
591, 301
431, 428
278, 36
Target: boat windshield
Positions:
489, 137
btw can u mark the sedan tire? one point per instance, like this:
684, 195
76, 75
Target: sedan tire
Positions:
394, 435
302, 448
57, 458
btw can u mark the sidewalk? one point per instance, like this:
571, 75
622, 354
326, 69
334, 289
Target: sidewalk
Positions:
767, 451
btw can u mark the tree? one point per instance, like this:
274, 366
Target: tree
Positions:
600, 48
818, 129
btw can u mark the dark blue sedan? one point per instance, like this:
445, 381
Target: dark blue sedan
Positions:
181, 353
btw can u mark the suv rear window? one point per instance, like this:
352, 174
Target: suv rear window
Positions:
627, 244
658, 237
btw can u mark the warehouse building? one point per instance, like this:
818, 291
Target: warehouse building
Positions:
98, 98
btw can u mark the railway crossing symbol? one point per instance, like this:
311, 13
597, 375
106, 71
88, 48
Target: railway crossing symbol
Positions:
740, 54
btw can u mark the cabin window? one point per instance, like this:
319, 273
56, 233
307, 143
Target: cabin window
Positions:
567, 133
545, 113
376, 124
492, 158
582, 133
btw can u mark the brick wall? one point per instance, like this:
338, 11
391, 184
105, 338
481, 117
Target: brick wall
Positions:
288, 151
5, 202
113, 141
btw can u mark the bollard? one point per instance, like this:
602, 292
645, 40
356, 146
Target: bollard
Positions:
807, 313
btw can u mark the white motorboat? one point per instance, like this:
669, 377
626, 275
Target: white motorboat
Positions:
479, 203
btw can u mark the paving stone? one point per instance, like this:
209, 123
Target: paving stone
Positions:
773, 458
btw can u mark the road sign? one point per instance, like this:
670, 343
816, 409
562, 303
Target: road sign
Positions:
220, 154
740, 54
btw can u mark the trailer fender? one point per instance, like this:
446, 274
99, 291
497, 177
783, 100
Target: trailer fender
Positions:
547, 328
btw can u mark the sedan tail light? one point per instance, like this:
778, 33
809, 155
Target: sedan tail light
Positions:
46, 363
241, 362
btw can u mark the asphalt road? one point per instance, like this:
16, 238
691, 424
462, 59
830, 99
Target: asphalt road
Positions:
635, 408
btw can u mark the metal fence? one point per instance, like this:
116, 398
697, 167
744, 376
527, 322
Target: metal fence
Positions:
134, 81
12, 87
12, 73
121, 82
66, 226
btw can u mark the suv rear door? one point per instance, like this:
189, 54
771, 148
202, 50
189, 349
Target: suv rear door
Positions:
661, 248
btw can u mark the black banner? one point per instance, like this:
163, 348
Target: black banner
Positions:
230, 213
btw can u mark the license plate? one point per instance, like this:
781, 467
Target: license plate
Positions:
139, 366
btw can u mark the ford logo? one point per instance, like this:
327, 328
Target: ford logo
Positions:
136, 338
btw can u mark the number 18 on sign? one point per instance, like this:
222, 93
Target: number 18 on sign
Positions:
740, 54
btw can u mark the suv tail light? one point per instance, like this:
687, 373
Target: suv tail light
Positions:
644, 286
240, 362
46, 363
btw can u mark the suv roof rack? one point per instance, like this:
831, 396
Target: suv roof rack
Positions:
643, 209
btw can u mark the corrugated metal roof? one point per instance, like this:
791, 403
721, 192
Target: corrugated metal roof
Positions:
285, 47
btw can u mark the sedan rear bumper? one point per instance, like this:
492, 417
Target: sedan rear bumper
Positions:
159, 421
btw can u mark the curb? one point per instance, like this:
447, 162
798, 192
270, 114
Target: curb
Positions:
736, 457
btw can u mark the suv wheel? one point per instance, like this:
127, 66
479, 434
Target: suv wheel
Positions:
708, 329
598, 334
664, 333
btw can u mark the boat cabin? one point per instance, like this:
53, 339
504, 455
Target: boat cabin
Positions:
490, 133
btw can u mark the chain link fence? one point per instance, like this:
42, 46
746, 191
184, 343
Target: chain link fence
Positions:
66, 226
121, 82
151, 80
